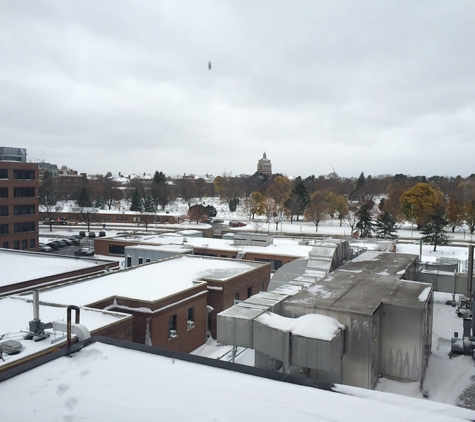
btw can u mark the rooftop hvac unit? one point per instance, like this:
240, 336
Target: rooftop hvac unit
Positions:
172, 333
190, 325
11, 347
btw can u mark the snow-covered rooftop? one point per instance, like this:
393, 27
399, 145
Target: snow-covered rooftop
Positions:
282, 247
148, 282
90, 386
16, 313
20, 266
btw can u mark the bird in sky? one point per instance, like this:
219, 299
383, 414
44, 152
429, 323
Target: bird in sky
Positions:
209, 65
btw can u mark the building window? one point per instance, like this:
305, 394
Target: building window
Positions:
147, 260
191, 314
249, 291
116, 249
24, 244
16, 244
275, 264
3, 229
24, 174
6, 245
3, 174
32, 243
24, 192
140, 260
129, 261
3, 210
172, 326
24, 209
3, 192
29, 226
172, 322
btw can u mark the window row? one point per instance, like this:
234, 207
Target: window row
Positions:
19, 192
28, 226
24, 244
18, 210
173, 323
18, 174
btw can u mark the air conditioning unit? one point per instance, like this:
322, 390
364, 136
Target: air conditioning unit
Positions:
190, 325
172, 333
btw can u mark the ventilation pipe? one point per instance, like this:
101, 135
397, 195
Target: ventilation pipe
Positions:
37, 328
77, 329
470, 272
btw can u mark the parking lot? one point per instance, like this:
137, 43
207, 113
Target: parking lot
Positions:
68, 250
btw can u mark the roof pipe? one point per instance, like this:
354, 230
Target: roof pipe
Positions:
470, 272
68, 332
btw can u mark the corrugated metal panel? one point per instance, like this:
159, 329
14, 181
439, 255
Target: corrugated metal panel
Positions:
235, 325
271, 341
316, 354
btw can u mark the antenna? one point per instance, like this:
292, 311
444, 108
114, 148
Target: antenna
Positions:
333, 168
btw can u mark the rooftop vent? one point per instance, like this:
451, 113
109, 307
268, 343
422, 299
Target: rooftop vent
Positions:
11, 347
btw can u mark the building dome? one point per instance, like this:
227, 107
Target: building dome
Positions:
264, 165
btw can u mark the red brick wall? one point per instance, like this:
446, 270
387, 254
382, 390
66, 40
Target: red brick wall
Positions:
236, 288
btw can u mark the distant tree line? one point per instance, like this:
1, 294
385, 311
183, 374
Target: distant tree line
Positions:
370, 205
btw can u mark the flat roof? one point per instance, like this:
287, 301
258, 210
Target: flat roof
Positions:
21, 266
161, 248
16, 313
361, 285
149, 282
282, 247
106, 381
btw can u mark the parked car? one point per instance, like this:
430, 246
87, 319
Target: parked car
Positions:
82, 234
235, 223
218, 221
76, 240
44, 248
62, 242
55, 245
84, 252
68, 241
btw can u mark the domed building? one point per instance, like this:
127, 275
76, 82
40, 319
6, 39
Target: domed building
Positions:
264, 166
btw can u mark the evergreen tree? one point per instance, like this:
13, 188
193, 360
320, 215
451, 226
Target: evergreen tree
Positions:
159, 177
233, 204
137, 202
298, 199
211, 211
365, 223
100, 203
150, 204
386, 226
433, 231
84, 197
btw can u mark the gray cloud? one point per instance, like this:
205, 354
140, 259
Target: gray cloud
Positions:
379, 87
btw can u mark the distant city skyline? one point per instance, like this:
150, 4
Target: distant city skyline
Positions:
373, 87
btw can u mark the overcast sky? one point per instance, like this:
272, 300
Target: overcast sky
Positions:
382, 87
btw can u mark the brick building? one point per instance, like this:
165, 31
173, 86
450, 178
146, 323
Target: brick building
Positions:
19, 190
174, 302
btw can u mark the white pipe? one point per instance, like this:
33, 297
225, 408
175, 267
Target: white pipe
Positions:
78, 330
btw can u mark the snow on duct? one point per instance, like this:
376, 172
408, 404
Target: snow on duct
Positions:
310, 341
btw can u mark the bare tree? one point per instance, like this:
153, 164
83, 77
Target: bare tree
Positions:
316, 210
